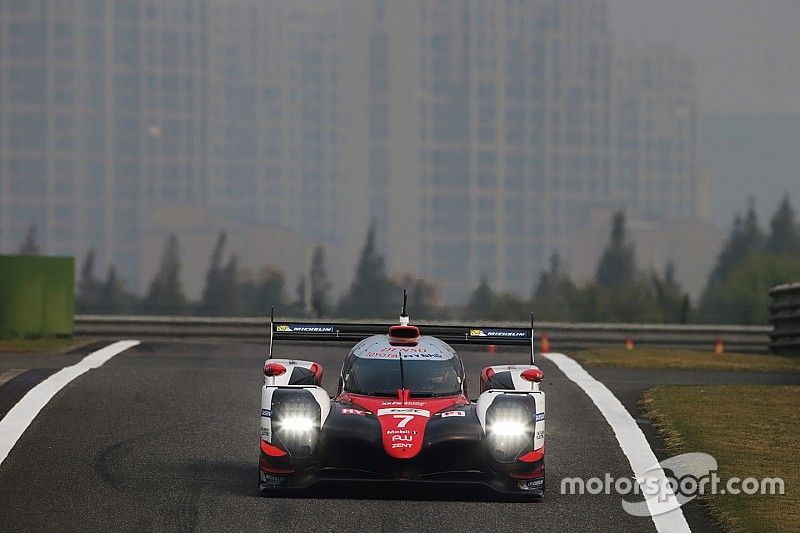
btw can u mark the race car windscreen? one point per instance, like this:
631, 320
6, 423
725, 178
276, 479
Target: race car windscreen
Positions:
382, 377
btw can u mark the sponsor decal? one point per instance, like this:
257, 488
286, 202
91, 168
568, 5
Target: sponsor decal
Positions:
387, 403
507, 333
348, 411
303, 328
270, 478
265, 434
404, 411
266, 413
539, 417
539, 435
402, 430
390, 355
533, 484
447, 414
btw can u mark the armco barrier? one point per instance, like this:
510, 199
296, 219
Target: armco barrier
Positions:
562, 336
785, 318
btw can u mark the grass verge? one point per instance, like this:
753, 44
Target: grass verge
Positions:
656, 359
41, 345
752, 431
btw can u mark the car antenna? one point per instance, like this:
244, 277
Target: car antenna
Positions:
532, 339
271, 329
404, 318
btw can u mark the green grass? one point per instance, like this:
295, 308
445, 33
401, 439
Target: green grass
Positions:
687, 360
41, 345
751, 431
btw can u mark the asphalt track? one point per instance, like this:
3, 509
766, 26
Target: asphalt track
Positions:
165, 437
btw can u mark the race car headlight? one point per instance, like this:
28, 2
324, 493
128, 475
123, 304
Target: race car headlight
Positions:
508, 428
297, 424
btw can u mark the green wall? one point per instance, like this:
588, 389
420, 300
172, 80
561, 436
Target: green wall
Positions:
37, 296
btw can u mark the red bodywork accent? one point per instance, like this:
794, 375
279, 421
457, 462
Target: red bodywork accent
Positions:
316, 369
274, 369
268, 450
274, 470
403, 419
271, 450
486, 374
537, 472
533, 374
404, 335
532, 457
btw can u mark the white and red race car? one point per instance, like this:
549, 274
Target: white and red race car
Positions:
402, 412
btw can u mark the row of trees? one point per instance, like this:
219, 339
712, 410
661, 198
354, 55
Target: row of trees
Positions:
619, 292
751, 261
737, 291
228, 292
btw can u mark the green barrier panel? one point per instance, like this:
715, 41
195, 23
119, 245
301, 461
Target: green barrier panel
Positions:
37, 296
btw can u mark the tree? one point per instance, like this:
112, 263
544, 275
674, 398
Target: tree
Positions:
166, 293
88, 286
267, 291
618, 263
372, 294
784, 237
229, 288
298, 306
213, 294
30, 245
554, 294
745, 239
320, 285
742, 297
113, 299
482, 299
669, 296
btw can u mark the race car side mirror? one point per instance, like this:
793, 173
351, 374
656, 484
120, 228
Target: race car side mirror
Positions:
533, 375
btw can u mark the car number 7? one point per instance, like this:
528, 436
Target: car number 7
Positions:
405, 420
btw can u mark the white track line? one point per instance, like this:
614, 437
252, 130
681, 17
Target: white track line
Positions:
17, 420
631, 439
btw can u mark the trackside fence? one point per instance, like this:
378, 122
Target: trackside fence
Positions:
561, 336
785, 318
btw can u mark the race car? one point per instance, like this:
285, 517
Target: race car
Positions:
402, 412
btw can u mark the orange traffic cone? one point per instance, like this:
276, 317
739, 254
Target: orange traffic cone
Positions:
491, 348
720, 346
629, 343
545, 342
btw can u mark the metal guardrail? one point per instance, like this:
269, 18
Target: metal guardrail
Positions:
785, 318
562, 336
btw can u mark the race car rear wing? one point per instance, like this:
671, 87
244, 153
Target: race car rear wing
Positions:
354, 332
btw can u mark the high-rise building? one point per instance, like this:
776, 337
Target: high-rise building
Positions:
476, 135
489, 130
657, 134
275, 124
102, 113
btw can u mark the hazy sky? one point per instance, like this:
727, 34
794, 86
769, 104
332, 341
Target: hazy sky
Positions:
747, 51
